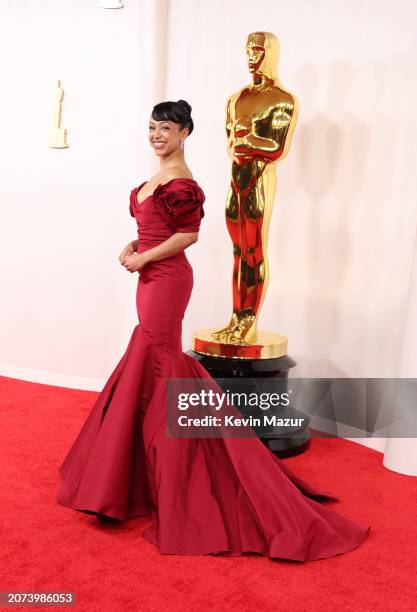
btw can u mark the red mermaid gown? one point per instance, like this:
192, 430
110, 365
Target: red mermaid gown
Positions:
203, 495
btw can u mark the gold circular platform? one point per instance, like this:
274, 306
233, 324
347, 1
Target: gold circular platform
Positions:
268, 345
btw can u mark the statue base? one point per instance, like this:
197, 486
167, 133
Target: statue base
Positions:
297, 439
268, 345
57, 138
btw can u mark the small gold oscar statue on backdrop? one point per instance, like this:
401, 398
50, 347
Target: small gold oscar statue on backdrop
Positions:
260, 120
58, 136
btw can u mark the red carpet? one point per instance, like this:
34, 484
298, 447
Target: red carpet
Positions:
47, 547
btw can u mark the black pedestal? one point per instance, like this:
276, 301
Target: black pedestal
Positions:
296, 440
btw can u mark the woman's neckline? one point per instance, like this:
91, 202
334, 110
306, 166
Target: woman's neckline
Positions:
142, 185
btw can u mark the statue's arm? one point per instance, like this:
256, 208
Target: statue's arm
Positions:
273, 145
229, 124
228, 117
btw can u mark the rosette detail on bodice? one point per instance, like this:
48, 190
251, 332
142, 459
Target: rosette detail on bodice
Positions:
179, 203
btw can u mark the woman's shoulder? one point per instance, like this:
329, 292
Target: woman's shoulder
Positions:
177, 178
167, 177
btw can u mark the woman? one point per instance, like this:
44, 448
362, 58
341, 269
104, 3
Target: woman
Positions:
204, 495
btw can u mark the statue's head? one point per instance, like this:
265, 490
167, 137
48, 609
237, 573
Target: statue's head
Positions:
262, 50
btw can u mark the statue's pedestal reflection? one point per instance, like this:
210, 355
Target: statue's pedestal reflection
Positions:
283, 441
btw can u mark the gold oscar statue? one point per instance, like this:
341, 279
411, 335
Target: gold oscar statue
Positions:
57, 137
260, 120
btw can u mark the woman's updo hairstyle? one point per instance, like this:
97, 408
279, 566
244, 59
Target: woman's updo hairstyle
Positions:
178, 112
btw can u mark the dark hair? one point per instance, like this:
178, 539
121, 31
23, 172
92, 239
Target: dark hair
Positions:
178, 112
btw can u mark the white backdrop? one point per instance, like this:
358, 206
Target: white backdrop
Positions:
343, 230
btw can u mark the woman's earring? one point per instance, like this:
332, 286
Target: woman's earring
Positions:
182, 144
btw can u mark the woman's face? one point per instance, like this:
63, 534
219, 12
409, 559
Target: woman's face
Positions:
165, 136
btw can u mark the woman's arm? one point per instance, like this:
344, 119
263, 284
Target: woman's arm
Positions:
173, 245
129, 250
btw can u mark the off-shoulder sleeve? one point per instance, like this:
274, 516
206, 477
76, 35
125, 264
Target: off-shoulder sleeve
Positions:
180, 203
133, 198
132, 202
